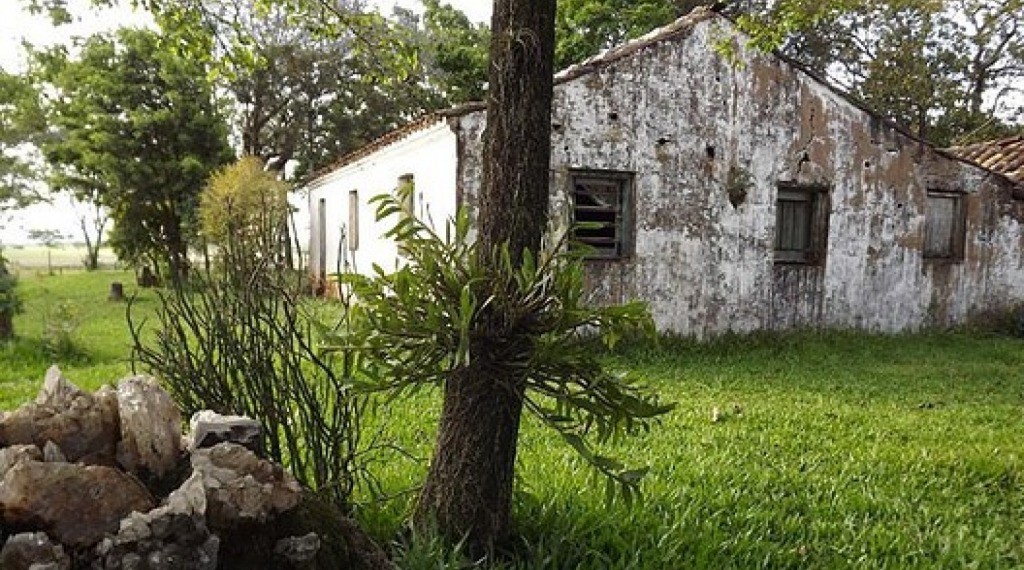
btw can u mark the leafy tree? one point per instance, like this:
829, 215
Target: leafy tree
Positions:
586, 27
946, 69
21, 125
139, 133
453, 53
10, 302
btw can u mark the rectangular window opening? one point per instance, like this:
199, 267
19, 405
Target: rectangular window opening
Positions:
945, 226
801, 224
602, 212
353, 220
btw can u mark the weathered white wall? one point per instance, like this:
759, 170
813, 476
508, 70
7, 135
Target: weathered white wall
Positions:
705, 266
429, 154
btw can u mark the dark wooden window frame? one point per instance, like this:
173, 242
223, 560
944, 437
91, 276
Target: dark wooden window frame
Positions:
814, 242
620, 246
958, 227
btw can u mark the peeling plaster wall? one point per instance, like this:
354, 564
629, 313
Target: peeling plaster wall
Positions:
706, 266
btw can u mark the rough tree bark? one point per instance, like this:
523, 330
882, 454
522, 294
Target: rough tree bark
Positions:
468, 492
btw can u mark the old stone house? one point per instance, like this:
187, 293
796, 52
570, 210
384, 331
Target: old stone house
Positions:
732, 193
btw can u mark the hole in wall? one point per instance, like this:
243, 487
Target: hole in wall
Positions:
613, 116
867, 164
710, 151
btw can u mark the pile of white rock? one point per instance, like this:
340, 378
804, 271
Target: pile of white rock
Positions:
81, 477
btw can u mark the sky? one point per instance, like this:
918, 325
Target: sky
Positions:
17, 26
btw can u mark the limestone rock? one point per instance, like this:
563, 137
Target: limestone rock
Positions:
33, 551
242, 488
75, 504
53, 454
11, 456
150, 427
208, 428
298, 550
171, 537
84, 426
57, 391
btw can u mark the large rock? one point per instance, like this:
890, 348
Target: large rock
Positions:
33, 551
172, 537
241, 488
85, 427
150, 427
208, 428
75, 504
11, 456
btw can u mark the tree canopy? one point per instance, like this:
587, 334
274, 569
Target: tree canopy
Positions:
138, 130
21, 124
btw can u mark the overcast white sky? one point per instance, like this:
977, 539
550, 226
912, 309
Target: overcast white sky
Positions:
17, 26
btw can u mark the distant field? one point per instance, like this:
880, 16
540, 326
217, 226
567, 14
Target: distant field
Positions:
62, 258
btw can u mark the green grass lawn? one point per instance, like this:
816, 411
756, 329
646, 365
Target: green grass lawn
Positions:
78, 301
832, 450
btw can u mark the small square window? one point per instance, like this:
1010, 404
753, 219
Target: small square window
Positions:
944, 226
602, 212
801, 224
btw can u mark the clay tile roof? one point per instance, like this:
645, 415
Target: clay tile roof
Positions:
1004, 156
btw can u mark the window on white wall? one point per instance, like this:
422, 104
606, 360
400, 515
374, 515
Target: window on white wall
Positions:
603, 212
353, 220
945, 226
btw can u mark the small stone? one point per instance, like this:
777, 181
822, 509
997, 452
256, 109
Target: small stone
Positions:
75, 504
57, 391
150, 427
33, 551
11, 456
208, 428
242, 488
53, 454
298, 550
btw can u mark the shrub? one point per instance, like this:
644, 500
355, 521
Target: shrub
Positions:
10, 302
242, 201
59, 325
236, 339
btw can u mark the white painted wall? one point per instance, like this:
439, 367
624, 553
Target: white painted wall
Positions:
429, 154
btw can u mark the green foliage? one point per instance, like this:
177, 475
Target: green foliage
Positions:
944, 68
21, 124
423, 323
139, 132
59, 325
242, 202
10, 302
586, 27
454, 53
236, 339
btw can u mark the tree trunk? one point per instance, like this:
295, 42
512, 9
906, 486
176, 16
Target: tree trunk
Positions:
468, 492
6, 325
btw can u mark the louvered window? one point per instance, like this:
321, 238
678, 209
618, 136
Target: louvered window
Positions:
602, 216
